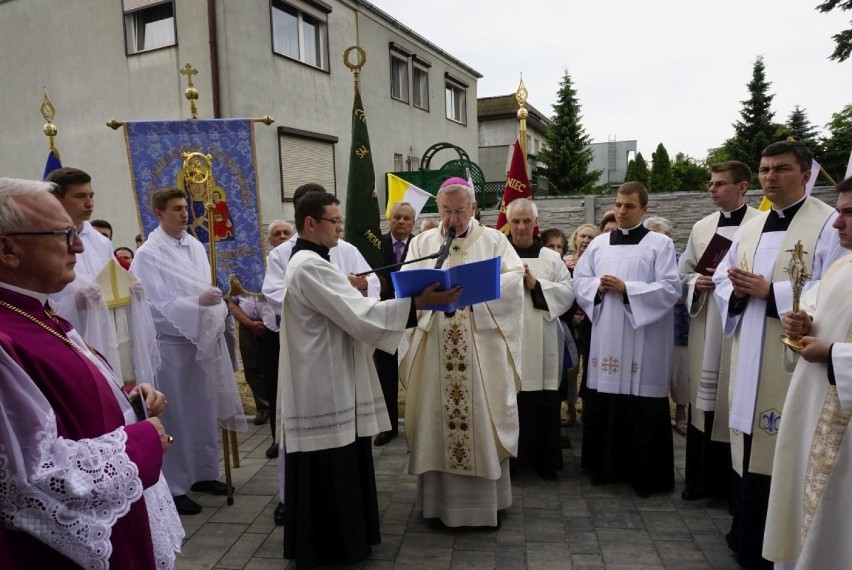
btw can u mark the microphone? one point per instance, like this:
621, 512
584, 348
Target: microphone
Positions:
444, 252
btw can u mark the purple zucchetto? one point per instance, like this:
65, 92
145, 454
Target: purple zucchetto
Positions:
455, 180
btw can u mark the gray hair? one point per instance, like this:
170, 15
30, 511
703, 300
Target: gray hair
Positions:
453, 188
521, 204
274, 223
399, 205
12, 216
659, 224
427, 224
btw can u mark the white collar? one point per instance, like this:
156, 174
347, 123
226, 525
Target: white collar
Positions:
780, 211
728, 215
40, 297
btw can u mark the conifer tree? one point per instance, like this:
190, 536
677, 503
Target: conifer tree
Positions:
755, 131
662, 179
639, 170
837, 145
567, 155
800, 128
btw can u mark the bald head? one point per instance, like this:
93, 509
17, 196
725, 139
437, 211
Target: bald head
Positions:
279, 232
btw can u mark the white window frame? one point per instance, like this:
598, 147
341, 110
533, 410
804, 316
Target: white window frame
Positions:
305, 14
400, 76
455, 97
420, 85
138, 31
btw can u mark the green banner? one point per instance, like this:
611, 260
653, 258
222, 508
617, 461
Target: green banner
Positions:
362, 205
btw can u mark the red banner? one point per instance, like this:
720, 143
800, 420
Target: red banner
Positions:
517, 186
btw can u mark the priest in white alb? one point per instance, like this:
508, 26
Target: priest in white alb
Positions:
104, 302
196, 373
708, 447
627, 284
752, 290
548, 293
462, 372
330, 400
810, 507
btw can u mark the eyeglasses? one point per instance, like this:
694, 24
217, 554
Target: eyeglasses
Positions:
70, 234
718, 184
338, 222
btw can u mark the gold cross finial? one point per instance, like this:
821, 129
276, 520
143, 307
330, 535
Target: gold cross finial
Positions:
189, 72
191, 93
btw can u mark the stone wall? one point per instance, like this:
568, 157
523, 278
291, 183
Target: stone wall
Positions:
682, 209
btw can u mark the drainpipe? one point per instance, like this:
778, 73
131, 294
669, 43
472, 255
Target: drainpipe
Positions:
214, 56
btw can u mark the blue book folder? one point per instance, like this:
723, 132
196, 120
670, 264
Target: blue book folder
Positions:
479, 280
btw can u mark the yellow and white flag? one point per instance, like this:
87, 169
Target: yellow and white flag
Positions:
400, 190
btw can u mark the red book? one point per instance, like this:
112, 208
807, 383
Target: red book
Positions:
715, 252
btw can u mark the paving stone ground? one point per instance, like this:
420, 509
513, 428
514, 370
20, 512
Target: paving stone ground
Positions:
562, 524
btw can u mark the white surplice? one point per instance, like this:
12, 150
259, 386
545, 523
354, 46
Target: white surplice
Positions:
631, 348
462, 373
344, 256
809, 503
328, 388
543, 341
82, 303
196, 373
709, 351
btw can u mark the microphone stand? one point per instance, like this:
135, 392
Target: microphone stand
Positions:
400, 264
435, 255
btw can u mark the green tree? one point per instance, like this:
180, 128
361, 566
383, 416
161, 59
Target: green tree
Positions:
801, 128
639, 171
837, 144
719, 154
689, 174
630, 173
843, 39
755, 131
662, 179
567, 154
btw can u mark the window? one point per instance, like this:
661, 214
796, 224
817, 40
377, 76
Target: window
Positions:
148, 25
399, 77
300, 31
456, 98
305, 157
420, 86
397, 162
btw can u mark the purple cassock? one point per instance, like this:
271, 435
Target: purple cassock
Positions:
85, 407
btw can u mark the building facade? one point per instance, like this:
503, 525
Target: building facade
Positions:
498, 131
284, 58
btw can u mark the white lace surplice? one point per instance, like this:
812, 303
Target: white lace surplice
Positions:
66, 493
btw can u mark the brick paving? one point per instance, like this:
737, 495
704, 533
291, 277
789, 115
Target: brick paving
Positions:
558, 524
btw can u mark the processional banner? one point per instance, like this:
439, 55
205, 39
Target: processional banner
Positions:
155, 149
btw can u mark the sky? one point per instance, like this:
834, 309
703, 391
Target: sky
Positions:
660, 71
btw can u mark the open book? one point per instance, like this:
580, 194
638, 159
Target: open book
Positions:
479, 280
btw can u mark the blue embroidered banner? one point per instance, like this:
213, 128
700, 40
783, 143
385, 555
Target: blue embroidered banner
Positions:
154, 149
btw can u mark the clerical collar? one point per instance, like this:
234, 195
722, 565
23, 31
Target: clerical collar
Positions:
630, 236
732, 218
789, 210
779, 220
320, 250
40, 297
530, 251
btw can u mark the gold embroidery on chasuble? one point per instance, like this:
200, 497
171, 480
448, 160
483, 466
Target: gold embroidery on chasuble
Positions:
828, 436
456, 390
